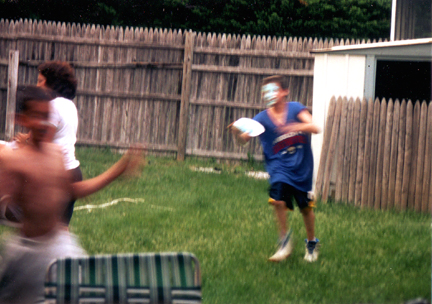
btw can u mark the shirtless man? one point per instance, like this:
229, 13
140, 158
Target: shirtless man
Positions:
34, 177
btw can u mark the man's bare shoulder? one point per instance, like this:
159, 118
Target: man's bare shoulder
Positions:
5, 153
14, 159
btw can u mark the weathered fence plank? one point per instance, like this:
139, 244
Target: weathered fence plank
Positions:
387, 149
354, 151
427, 162
400, 158
374, 153
421, 157
380, 154
393, 156
325, 147
347, 153
415, 141
427, 183
341, 150
184, 107
361, 154
407, 156
332, 149
367, 155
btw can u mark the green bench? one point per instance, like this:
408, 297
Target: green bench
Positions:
170, 277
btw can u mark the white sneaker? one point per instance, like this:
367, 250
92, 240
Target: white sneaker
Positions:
312, 251
284, 250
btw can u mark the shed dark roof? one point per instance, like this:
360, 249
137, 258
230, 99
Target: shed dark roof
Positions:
421, 48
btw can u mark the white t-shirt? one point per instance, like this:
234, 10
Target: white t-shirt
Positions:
64, 116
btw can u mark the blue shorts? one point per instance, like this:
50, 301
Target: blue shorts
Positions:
284, 192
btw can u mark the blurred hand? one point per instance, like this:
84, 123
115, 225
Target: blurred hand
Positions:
134, 161
241, 137
233, 129
21, 138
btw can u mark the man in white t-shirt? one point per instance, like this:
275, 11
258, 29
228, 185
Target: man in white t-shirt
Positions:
59, 76
64, 118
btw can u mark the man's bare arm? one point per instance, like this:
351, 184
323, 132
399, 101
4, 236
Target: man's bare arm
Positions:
129, 164
8, 181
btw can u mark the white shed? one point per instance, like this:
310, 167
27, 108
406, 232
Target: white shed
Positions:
396, 69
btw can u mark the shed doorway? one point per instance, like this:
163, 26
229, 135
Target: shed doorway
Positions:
403, 80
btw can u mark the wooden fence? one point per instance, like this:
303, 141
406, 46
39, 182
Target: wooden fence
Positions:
174, 91
378, 154
177, 91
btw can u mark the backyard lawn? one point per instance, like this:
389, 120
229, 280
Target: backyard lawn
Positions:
222, 216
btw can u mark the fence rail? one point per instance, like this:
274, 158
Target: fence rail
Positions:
378, 154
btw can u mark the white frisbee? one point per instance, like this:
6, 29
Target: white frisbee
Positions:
250, 126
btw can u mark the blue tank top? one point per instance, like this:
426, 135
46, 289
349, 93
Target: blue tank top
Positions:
288, 157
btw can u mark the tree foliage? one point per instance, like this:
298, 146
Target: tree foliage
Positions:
313, 18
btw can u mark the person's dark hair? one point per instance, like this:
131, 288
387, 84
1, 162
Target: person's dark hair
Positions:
277, 79
26, 93
60, 77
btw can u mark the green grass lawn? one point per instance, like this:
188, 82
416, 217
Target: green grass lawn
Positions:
366, 256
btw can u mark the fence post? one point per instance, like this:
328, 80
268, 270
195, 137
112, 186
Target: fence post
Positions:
11, 94
185, 95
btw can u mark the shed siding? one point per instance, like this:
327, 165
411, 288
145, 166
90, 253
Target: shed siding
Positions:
334, 75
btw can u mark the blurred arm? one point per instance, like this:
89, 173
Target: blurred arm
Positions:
306, 125
130, 163
8, 181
